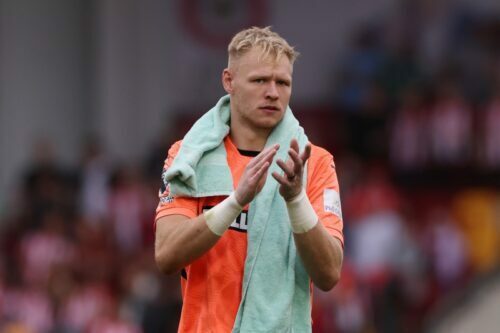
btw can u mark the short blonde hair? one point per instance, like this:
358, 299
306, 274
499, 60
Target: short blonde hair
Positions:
268, 41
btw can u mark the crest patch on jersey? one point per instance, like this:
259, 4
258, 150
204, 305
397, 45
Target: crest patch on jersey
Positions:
164, 192
331, 200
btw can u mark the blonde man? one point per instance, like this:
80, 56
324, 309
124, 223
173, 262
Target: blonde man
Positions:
206, 237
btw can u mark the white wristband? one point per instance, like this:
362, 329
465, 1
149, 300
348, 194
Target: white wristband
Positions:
302, 215
220, 217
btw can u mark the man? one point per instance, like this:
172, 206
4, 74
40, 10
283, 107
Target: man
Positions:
206, 237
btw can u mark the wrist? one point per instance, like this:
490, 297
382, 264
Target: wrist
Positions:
238, 199
296, 196
221, 216
301, 213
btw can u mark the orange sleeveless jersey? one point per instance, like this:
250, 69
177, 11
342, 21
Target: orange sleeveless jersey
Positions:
211, 285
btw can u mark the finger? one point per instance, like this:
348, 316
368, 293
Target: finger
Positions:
306, 153
280, 179
261, 172
265, 153
288, 169
294, 144
297, 161
268, 157
271, 156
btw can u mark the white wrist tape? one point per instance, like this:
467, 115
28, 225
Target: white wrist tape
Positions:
302, 215
220, 217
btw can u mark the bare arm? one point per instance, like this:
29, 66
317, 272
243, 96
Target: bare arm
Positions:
320, 252
322, 256
180, 240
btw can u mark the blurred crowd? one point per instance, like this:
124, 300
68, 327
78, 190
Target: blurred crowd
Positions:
422, 87
77, 251
414, 126
417, 147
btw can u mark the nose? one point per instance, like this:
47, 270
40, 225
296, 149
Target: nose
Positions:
272, 91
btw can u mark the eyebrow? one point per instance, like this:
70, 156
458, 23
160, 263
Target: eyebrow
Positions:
268, 76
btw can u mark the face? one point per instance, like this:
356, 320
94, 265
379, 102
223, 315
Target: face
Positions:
260, 90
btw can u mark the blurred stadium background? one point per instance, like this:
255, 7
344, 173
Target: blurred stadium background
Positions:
405, 94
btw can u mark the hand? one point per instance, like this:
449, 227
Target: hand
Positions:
254, 177
291, 181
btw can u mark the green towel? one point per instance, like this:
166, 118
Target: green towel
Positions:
276, 286
200, 168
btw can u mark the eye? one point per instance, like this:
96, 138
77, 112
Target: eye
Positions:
283, 83
259, 80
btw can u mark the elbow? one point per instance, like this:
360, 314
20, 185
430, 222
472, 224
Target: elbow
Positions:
165, 264
329, 281
331, 274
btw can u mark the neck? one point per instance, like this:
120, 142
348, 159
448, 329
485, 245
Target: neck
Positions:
247, 138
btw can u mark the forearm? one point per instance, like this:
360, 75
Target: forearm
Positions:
180, 241
320, 252
321, 255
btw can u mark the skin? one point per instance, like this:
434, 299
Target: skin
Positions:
260, 91
321, 253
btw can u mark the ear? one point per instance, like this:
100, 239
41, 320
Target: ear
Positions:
227, 81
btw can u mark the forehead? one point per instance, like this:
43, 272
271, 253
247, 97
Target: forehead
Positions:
255, 61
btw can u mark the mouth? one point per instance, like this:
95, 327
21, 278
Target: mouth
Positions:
270, 108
